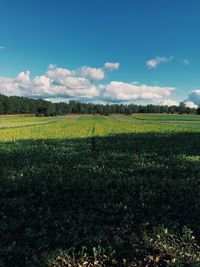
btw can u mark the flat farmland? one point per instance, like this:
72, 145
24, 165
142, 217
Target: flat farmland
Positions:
77, 126
110, 190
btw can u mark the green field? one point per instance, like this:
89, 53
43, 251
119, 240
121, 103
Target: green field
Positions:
110, 190
78, 126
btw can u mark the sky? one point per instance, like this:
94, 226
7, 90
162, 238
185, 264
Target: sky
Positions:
106, 51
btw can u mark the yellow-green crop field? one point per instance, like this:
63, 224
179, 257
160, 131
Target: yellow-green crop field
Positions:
78, 126
104, 191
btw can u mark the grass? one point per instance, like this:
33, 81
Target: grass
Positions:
17, 128
113, 191
167, 117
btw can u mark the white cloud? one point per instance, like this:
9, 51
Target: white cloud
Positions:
8, 86
193, 100
96, 73
190, 104
58, 73
194, 97
91, 73
120, 91
41, 85
81, 84
2, 47
65, 87
15, 86
111, 66
186, 62
169, 102
153, 63
56, 82
57, 100
23, 77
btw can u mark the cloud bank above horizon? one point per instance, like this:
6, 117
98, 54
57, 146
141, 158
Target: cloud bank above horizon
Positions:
86, 84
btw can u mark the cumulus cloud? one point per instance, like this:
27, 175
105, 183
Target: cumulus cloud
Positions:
120, 91
69, 86
56, 82
111, 66
190, 104
193, 97
9, 86
169, 102
81, 84
96, 73
91, 73
23, 77
57, 73
193, 100
153, 63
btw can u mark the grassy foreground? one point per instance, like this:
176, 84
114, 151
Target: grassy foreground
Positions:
100, 191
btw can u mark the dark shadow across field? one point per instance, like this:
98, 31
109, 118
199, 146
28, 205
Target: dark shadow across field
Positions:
100, 190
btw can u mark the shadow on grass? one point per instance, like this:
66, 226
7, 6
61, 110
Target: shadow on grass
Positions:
100, 190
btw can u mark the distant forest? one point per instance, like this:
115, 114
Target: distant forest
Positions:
24, 105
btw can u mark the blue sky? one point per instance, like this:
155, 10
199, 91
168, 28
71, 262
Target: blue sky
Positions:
155, 42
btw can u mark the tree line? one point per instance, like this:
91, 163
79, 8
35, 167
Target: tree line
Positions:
40, 107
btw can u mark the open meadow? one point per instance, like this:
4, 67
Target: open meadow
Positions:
100, 190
